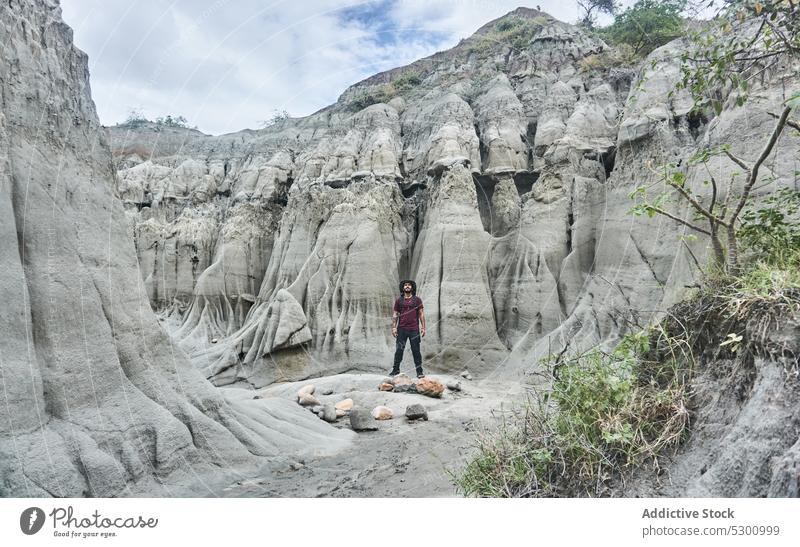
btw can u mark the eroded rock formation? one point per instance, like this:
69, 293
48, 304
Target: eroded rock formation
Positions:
496, 174
98, 400
469, 180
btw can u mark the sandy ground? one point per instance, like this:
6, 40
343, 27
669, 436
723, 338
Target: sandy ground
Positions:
401, 459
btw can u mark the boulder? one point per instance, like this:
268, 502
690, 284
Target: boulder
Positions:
416, 412
382, 413
386, 387
361, 420
430, 387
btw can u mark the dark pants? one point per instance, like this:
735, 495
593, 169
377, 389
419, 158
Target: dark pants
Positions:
400, 346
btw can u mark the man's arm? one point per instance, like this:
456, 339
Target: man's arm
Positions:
422, 321
395, 315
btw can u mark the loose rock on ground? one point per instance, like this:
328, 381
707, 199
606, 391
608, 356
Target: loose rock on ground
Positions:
361, 420
382, 413
416, 412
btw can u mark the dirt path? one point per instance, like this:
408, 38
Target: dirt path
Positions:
402, 458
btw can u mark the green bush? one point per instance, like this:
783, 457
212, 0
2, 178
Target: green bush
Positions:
605, 413
373, 95
407, 81
771, 232
170, 121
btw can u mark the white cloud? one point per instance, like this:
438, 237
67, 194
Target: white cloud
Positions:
227, 64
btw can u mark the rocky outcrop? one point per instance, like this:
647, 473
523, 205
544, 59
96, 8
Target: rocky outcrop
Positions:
471, 179
99, 400
745, 420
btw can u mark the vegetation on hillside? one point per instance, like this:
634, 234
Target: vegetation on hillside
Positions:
277, 118
646, 25
514, 32
592, 8
717, 71
368, 96
607, 413
604, 414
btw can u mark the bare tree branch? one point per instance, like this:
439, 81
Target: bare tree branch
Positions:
713, 189
791, 123
738, 161
698, 207
686, 223
757, 165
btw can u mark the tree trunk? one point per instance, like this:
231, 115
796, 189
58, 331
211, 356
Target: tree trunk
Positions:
716, 244
733, 251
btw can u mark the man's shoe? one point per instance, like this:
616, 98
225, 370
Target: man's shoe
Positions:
394, 373
420, 376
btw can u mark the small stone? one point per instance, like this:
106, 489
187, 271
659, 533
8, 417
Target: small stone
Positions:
466, 375
340, 413
305, 390
430, 387
416, 412
382, 413
214, 340
329, 413
308, 400
327, 391
386, 387
454, 385
361, 420
296, 466
345, 405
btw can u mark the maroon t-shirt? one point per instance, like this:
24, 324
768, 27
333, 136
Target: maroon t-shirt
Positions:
407, 308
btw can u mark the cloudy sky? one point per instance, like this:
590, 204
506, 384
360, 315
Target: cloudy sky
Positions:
229, 64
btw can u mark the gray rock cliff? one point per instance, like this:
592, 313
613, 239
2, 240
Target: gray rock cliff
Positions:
99, 401
150, 272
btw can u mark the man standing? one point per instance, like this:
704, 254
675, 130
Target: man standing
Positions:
408, 309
